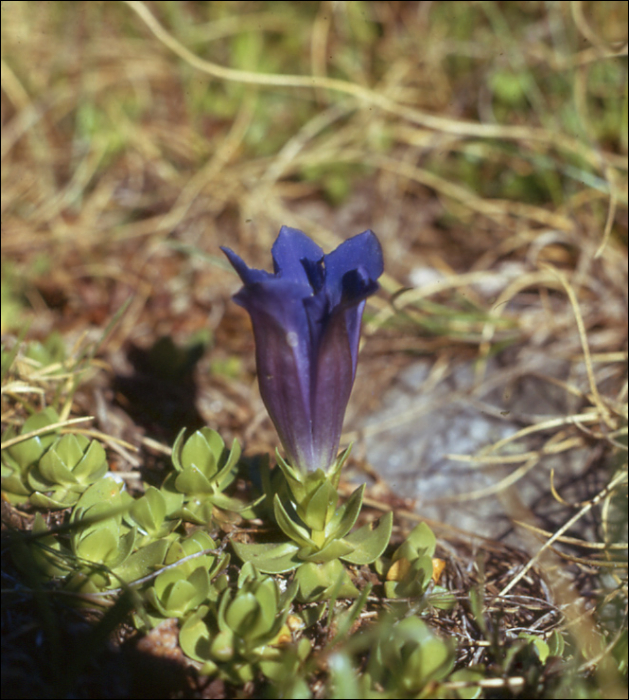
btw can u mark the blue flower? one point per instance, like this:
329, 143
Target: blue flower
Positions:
306, 321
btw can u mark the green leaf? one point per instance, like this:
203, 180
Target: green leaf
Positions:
198, 452
228, 471
317, 511
346, 516
422, 539
172, 497
194, 636
105, 491
233, 504
369, 544
267, 595
317, 581
242, 612
466, 675
407, 579
343, 677
50, 470
70, 449
143, 562
268, 557
334, 473
149, 511
556, 643
193, 481
288, 526
29, 451
125, 547
59, 501
93, 465
177, 450
98, 546
333, 550
431, 660
13, 488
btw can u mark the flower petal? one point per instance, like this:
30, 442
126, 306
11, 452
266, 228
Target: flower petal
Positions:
353, 268
306, 322
291, 248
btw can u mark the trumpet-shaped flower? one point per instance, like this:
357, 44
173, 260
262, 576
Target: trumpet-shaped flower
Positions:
306, 321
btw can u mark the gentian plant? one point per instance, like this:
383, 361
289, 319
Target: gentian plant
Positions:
306, 319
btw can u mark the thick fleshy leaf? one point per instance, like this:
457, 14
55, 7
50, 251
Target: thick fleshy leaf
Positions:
193, 481
194, 637
289, 527
306, 322
29, 451
93, 465
149, 511
318, 510
242, 612
144, 561
317, 581
347, 515
369, 544
332, 550
51, 470
62, 498
98, 546
268, 557
198, 453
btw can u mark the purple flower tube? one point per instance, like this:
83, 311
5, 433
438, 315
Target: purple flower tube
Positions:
306, 322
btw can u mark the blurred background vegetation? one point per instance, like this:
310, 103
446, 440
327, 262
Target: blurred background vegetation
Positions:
484, 143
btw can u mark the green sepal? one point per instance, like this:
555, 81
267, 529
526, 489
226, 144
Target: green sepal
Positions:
304, 485
297, 481
334, 473
369, 543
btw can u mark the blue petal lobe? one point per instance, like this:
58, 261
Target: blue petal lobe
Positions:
291, 247
361, 252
